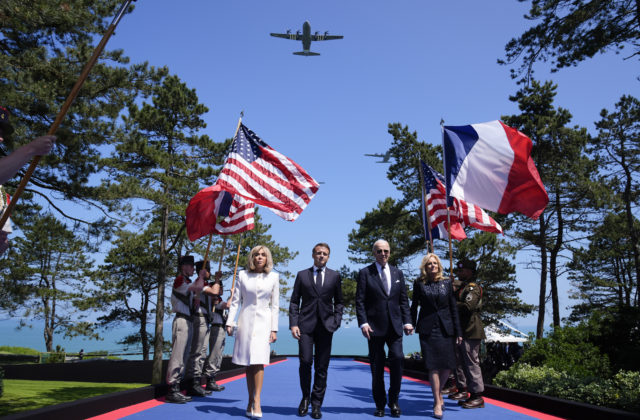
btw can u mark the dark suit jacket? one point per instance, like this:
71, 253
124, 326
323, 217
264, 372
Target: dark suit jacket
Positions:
441, 309
324, 303
375, 307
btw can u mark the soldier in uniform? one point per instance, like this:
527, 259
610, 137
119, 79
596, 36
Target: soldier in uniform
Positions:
200, 337
216, 334
182, 304
469, 302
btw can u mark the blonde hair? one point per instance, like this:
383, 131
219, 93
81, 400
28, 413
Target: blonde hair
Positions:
251, 266
424, 276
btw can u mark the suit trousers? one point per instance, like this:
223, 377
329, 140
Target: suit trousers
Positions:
321, 339
468, 372
181, 331
216, 345
377, 358
199, 341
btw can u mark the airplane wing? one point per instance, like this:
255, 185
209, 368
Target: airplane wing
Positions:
320, 37
294, 37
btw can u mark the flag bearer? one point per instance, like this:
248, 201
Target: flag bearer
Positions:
182, 304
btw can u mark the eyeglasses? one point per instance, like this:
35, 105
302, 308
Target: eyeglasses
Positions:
381, 251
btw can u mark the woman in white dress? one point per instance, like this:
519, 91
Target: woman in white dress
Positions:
258, 292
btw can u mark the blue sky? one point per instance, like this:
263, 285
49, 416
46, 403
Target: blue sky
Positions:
412, 62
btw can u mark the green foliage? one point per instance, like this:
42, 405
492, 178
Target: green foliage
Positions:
570, 350
558, 153
45, 44
51, 266
570, 31
621, 391
19, 350
56, 357
612, 284
349, 282
496, 275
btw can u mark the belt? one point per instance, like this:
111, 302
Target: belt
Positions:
217, 325
187, 317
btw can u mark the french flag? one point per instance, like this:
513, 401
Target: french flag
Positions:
490, 164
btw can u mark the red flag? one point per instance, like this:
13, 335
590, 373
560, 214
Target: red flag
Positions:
213, 202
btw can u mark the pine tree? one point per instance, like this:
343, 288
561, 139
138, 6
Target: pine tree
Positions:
558, 152
51, 264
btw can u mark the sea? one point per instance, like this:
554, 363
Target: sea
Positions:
347, 340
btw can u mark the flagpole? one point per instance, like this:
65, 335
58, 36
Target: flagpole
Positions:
224, 244
65, 107
444, 165
235, 269
450, 246
425, 207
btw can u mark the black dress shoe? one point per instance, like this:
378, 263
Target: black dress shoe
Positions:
315, 412
474, 402
379, 412
395, 410
303, 408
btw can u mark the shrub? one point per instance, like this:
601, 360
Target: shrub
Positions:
568, 349
622, 391
1, 381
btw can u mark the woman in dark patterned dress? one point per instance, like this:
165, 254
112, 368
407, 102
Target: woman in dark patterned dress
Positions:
438, 325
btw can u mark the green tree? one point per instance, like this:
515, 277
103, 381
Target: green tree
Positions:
617, 151
558, 152
161, 160
45, 44
602, 273
50, 262
127, 283
570, 31
496, 275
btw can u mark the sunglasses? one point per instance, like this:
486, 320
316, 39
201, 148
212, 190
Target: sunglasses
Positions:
381, 251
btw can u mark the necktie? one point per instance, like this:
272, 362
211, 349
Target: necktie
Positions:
383, 275
318, 276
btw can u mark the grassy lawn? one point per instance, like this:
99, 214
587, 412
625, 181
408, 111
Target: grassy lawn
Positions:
20, 395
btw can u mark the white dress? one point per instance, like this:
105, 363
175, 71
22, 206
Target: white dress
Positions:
259, 296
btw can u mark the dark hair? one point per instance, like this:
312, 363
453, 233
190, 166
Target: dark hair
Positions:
322, 245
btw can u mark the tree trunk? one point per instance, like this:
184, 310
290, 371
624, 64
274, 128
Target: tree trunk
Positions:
158, 340
553, 263
633, 234
144, 341
543, 279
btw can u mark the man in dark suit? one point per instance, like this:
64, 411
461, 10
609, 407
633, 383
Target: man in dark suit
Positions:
382, 308
313, 323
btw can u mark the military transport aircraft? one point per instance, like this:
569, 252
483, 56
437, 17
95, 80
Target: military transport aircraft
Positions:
385, 157
306, 38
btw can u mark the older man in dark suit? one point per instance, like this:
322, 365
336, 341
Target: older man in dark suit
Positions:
313, 323
382, 308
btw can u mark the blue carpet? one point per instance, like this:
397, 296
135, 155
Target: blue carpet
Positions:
348, 396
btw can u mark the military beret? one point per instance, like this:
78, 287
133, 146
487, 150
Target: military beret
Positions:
186, 260
466, 264
5, 125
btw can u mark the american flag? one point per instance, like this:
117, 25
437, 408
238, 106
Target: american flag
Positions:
260, 174
212, 203
462, 213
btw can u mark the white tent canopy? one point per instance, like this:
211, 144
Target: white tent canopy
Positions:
502, 332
